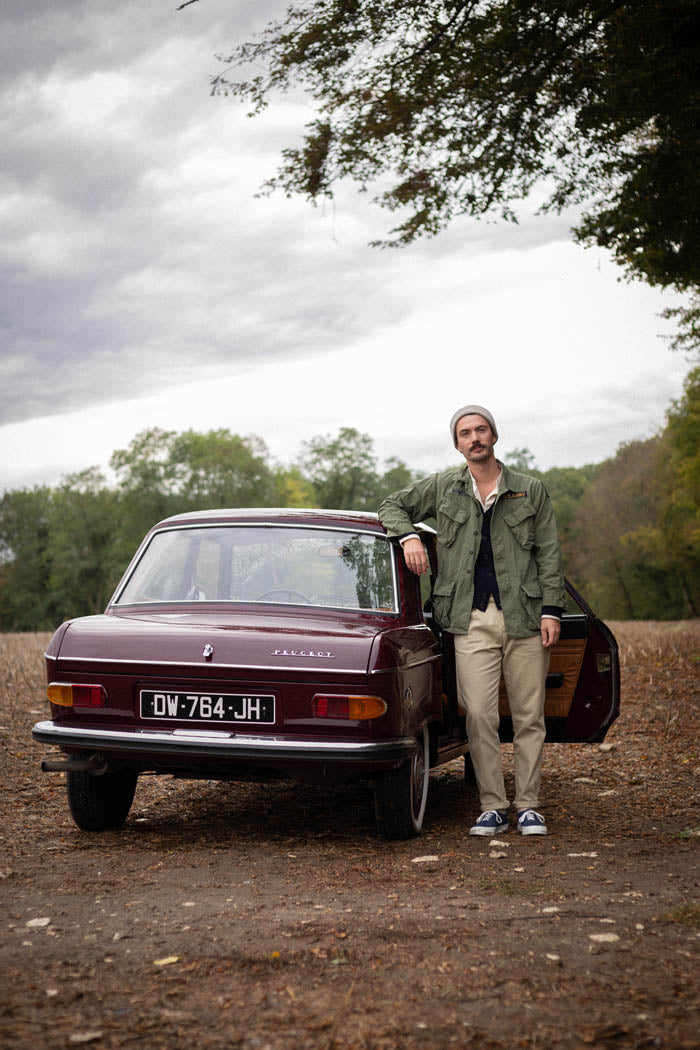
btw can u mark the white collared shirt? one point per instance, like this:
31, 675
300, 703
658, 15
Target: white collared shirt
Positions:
493, 494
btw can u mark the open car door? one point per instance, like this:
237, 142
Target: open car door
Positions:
582, 698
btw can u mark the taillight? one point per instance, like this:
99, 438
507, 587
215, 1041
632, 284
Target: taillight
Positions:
354, 708
77, 695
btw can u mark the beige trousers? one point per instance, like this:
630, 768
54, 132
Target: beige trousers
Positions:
480, 656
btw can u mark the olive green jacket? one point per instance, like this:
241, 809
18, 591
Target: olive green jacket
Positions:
524, 538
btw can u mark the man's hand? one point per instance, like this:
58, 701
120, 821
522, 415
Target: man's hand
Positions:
550, 630
416, 558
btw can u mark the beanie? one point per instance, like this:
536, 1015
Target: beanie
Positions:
471, 410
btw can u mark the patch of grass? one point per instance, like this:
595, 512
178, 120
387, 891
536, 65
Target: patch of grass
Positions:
688, 833
666, 642
685, 915
23, 676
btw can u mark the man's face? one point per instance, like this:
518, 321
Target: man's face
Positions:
475, 439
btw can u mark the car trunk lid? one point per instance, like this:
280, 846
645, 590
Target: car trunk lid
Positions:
211, 641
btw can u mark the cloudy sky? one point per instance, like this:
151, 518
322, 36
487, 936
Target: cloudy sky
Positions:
144, 284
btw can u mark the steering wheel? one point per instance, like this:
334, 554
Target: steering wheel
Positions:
283, 592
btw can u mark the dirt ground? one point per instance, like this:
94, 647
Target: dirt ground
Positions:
268, 916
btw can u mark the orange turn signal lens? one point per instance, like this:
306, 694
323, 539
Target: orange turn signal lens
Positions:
60, 694
353, 708
76, 695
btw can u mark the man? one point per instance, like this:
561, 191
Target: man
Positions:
500, 592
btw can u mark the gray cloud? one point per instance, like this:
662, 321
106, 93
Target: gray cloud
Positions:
133, 253
81, 36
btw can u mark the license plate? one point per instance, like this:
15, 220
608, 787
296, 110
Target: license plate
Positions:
209, 707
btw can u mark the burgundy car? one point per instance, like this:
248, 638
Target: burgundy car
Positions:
283, 643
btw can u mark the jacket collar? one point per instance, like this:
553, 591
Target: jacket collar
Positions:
466, 477
509, 481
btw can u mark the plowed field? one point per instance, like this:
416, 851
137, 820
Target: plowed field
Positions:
260, 916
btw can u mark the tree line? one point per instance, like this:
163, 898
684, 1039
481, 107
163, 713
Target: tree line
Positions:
63, 548
630, 526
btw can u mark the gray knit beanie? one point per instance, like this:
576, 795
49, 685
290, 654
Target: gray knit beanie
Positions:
471, 410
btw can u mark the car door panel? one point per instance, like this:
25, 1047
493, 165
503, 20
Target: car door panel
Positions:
582, 696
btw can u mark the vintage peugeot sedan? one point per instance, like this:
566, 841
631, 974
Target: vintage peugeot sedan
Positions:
283, 643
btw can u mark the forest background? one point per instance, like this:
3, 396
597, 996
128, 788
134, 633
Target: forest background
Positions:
629, 526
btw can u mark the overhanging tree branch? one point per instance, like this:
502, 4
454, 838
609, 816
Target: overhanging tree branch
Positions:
464, 107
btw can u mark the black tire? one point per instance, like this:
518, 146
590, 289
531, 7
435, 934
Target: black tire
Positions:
400, 796
98, 803
469, 771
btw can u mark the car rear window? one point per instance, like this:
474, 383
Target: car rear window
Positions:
264, 565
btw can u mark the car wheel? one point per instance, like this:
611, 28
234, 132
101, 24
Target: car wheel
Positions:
400, 795
98, 803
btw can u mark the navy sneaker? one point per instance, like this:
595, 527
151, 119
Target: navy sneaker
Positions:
491, 822
530, 822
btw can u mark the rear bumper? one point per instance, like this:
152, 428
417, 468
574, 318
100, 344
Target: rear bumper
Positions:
190, 743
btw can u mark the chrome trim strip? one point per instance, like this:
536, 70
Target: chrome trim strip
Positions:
202, 603
244, 667
224, 667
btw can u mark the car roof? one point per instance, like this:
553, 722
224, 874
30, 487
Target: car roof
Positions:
286, 515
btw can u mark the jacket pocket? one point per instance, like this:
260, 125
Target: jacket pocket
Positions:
451, 513
531, 596
521, 522
443, 595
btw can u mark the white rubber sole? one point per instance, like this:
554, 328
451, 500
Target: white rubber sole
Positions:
488, 832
